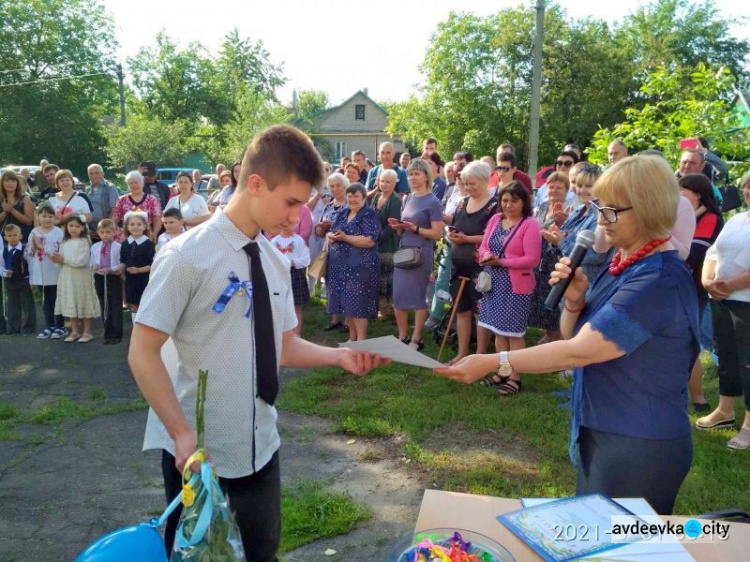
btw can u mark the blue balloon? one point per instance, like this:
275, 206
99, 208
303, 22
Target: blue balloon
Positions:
137, 542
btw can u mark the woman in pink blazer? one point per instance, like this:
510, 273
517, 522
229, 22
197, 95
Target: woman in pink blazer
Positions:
510, 250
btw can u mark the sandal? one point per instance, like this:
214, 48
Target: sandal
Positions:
406, 340
418, 343
85, 338
72, 338
332, 326
701, 406
741, 441
705, 423
510, 387
493, 380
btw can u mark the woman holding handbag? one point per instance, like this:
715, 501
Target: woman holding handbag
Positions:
510, 250
421, 226
468, 225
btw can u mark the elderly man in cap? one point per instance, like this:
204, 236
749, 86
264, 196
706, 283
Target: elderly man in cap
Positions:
151, 185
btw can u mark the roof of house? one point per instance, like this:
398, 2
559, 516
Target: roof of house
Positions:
342, 104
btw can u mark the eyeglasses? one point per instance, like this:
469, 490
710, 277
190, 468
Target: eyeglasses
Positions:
609, 213
566, 163
503, 168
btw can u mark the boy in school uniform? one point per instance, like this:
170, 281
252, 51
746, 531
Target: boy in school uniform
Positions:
189, 320
21, 309
105, 261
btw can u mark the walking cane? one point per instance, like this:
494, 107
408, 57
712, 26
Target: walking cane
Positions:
453, 313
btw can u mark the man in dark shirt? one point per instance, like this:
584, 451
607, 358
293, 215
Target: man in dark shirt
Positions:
151, 185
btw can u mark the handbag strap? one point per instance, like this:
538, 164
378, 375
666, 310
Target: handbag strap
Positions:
512, 234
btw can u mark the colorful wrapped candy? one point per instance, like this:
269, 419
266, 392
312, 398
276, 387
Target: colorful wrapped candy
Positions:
454, 549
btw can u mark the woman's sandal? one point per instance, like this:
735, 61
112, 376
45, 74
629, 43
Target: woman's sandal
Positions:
741, 441
72, 338
418, 343
493, 380
510, 387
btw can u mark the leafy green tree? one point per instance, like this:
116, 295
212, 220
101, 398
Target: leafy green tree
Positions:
178, 84
43, 111
145, 138
244, 63
477, 73
675, 112
254, 112
676, 33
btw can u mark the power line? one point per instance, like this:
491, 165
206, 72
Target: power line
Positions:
62, 64
52, 79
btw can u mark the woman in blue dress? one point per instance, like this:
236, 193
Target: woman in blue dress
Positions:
353, 262
632, 338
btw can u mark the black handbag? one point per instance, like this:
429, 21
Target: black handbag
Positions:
731, 198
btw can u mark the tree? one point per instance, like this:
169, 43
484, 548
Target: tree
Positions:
254, 112
147, 139
178, 84
683, 33
43, 111
477, 74
675, 112
244, 63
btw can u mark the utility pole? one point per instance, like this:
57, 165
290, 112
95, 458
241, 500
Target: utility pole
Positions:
536, 92
122, 95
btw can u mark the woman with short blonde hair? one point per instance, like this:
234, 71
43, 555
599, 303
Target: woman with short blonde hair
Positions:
632, 338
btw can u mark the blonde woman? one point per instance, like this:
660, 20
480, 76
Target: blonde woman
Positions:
632, 338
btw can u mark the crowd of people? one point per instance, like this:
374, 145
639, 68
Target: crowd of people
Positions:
420, 239
393, 238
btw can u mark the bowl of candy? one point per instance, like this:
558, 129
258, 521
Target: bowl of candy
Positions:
449, 545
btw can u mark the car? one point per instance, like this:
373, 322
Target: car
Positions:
169, 175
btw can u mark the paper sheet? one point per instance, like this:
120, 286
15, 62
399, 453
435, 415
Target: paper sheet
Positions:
637, 552
395, 350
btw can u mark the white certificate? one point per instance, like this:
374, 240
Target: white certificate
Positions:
395, 350
569, 528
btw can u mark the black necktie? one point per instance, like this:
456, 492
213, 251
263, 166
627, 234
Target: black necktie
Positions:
265, 347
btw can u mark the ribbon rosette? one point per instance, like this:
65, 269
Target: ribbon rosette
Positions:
235, 287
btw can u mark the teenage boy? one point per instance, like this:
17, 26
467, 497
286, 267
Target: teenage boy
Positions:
241, 339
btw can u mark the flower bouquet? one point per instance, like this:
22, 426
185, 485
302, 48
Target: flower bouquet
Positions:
207, 530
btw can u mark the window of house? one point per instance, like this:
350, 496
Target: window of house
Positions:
340, 150
359, 112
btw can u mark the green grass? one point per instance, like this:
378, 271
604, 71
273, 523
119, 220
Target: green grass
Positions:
310, 512
440, 419
62, 409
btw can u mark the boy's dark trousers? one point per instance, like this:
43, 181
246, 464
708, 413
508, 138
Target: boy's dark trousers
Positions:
20, 303
3, 325
111, 304
51, 320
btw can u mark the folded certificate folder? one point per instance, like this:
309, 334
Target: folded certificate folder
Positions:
569, 528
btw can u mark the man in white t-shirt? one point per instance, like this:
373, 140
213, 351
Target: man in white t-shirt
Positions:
188, 321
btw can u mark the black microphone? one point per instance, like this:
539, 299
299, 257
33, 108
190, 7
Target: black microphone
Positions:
584, 241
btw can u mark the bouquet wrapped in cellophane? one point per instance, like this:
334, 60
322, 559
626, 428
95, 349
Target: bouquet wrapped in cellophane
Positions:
207, 531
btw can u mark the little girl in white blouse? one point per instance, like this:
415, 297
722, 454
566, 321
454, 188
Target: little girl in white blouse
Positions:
293, 247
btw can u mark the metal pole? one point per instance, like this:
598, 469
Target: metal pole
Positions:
122, 95
536, 93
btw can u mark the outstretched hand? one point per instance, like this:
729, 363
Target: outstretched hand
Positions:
469, 369
360, 362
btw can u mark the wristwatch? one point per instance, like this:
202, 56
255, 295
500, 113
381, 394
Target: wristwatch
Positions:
504, 369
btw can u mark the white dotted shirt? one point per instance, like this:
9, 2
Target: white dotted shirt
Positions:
187, 278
